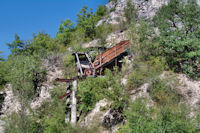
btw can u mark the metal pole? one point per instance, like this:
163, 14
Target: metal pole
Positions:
67, 113
73, 108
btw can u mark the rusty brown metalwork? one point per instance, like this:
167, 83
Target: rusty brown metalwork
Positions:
110, 54
65, 95
86, 67
66, 80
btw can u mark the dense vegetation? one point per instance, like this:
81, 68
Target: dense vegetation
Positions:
175, 48
179, 36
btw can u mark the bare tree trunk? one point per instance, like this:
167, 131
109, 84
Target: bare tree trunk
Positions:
73, 109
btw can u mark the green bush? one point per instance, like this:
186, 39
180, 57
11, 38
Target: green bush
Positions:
130, 12
163, 91
25, 74
143, 119
144, 72
178, 23
20, 123
102, 32
101, 11
3, 72
92, 90
143, 44
69, 66
64, 35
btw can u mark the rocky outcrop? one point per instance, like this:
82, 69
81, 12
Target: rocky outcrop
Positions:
146, 9
2, 123
53, 70
111, 40
11, 103
53, 65
96, 115
94, 43
115, 38
109, 120
190, 90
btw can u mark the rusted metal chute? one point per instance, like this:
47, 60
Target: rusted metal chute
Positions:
88, 68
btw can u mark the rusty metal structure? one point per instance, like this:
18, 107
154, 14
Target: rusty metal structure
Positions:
88, 68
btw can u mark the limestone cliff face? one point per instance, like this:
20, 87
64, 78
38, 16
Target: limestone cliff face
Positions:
146, 9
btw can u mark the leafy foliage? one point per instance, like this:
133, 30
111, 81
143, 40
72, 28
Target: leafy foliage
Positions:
17, 46
69, 66
94, 89
147, 64
179, 35
91, 91
3, 72
141, 119
144, 72
1, 58
24, 75
101, 11
105, 29
16, 124
163, 91
64, 35
42, 43
87, 21
130, 12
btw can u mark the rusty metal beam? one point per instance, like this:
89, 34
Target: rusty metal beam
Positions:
65, 80
65, 95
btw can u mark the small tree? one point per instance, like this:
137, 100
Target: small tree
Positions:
2, 72
64, 35
17, 46
130, 12
23, 73
41, 44
1, 58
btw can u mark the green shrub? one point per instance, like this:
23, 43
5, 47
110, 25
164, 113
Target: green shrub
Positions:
90, 91
69, 66
141, 37
3, 72
130, 12
22, 122
144, 72
25, 74
143, 119
64, 35
102, 32
163, 91
178, 23
101, 11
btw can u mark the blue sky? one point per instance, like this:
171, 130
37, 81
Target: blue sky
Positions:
26, 17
